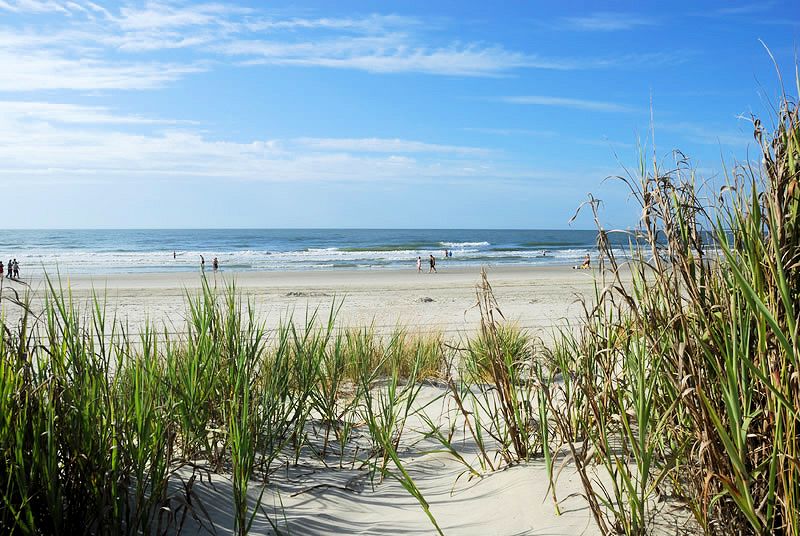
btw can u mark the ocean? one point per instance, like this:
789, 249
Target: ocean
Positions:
109, 251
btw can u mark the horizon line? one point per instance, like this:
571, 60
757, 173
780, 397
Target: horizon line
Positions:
10, 229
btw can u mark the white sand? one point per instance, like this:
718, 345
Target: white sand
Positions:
537, 298
312, 499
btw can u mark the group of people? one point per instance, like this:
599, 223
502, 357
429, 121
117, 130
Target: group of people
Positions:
214, 263
431, 262
11, 270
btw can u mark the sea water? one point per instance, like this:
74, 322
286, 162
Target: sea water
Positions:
107, 251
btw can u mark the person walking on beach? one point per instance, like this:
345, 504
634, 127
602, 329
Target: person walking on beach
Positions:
1, 269
419, 265
10, 269
202, 264
432, 262
215, 264
16, 269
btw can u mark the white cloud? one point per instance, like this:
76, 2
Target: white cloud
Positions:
33, 6
50, 70
87, 46
54, 141
563, 102
389, 53
74, 113
157, 16
608, 22
513, 131
385, 145
707, 135
746, 9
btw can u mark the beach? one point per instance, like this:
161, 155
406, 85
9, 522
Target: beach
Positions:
536, 298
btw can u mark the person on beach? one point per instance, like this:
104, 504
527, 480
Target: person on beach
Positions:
10, 269
1, 269
174, 255
16, 269
419, 265
215, 264
202, 263
587, 263
432, 262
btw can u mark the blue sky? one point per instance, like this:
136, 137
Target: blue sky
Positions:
368, 114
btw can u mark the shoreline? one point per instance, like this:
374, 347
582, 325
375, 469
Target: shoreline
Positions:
267, 278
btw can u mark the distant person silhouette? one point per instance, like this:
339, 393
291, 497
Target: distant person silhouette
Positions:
419, 264
215, 264
432, 262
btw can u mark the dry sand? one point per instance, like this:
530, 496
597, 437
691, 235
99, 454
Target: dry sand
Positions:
537, 298
312, 499
320, 500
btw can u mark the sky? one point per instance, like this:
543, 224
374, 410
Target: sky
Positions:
413, 114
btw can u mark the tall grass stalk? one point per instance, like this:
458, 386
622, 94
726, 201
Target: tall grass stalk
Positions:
683, 380
104, 432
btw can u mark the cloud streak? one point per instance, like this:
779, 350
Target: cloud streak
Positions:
705, 134
76, 114
47, 69
73, 143
608, 22
385, 145
563, 102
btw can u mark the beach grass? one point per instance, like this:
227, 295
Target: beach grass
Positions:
682, 385
105, 432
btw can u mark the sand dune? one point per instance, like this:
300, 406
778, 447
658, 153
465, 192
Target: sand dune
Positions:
317, 498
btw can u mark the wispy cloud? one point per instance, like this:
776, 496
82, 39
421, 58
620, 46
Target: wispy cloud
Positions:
156, 16
706, 134
564, 102
83, 45
49, 69
512, 131
747, 8
389, 55
77, 114
385, 145
763, 12
608, 22
34, 6
67, 142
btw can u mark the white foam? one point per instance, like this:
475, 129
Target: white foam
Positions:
82, 261
464, 244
